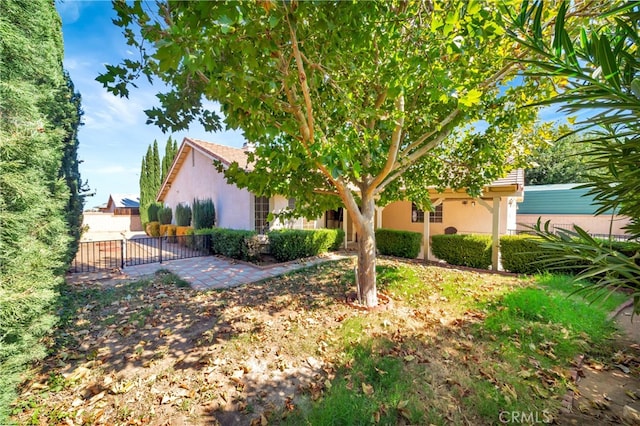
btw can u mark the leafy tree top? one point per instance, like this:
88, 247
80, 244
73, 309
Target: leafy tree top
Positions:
380, 99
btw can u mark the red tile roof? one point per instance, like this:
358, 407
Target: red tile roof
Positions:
223, 153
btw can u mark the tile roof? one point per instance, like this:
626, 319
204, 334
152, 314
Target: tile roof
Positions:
226, 154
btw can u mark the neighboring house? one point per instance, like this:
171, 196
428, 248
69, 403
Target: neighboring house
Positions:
566, 205
192, 175
122, 204
120, 215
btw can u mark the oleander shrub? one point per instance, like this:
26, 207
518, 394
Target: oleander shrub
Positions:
392, 242
291, 244
204, 214
165, 215
183, 215
473, 251
153, 229
522, 254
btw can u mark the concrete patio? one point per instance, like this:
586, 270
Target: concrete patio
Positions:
206, 273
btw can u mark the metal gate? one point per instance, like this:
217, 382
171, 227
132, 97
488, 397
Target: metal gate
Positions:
95, 256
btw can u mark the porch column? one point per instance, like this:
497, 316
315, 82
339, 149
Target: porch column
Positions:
494, 209
425, 237
345, 219
495, 231
379, 217
426, 230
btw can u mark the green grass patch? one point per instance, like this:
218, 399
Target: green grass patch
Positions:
371, 387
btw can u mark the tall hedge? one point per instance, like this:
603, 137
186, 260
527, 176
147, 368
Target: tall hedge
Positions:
464, 250
183, 215
204, 214
392, 242
165, 215
290, 244
40, 187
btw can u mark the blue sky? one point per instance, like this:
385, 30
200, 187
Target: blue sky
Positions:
114, 137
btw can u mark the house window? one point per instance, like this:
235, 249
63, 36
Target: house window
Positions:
261, 209
417, 215
436, 216
291, 203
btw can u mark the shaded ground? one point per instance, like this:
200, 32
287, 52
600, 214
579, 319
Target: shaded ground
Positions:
158, 352
605, 389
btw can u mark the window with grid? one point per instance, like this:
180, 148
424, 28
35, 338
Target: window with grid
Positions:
261, 209
417, 215
436, 216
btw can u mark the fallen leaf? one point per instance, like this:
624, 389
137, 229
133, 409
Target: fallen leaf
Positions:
367, 389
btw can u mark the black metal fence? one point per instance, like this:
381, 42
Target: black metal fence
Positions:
95, 256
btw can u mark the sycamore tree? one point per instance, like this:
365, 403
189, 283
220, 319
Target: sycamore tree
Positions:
348, 104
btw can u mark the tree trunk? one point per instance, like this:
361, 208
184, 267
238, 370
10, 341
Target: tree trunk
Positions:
367, 256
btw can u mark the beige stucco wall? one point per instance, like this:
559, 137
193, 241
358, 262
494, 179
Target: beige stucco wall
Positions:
198, 178
466, 218
108, 222
592, 224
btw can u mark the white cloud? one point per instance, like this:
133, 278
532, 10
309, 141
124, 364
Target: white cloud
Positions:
69, 11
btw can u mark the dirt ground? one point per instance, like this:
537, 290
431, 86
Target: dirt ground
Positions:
608, 394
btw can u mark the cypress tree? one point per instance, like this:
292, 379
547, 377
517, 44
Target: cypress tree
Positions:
170, 151
40, 200
156, 172
144, 217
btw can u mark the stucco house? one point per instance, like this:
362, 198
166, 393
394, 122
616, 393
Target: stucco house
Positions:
192, 175
565, 205
121, 215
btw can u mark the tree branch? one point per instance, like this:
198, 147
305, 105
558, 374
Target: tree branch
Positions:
402, 167
393, 149
382, 96
302, 76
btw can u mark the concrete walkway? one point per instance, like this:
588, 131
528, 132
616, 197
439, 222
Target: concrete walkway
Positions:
208, 272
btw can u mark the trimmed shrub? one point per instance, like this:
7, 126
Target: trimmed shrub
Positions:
153, 229
473, 251
231, 242
392, 242
521, 254
171, 233
204, 214
152, 211
183, 215
181, 233
165, 215
291, 244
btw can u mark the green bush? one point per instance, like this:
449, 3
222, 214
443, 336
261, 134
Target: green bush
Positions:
290, 244
392, 242
463, 250
152, 212
230, 242
183, 215
165, 215
204, 214
521, 254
